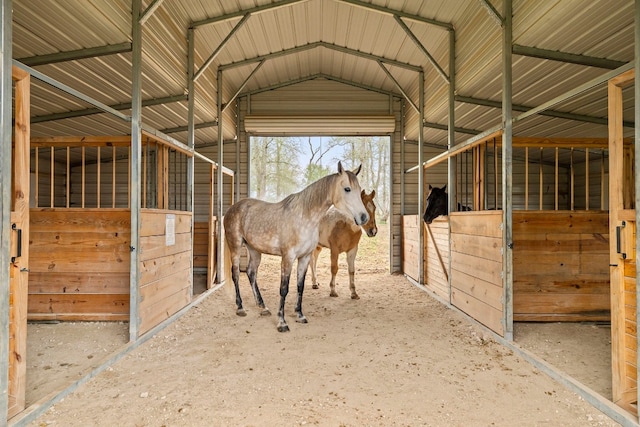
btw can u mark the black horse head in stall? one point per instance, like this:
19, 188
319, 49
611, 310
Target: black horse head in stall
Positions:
437, 203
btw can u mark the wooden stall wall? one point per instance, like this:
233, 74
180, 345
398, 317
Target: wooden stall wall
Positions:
166, 252
79, 264
476, 266
436, 252
626, 378
561, 266
436, 256
411, 227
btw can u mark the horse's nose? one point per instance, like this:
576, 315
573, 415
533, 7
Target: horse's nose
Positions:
372, 232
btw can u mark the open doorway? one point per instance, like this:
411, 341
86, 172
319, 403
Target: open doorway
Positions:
280, 166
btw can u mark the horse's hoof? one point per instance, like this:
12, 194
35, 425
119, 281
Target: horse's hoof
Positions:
283, 328
355, 296
315, 286
265, 312
333, 294
240, 312
302, 320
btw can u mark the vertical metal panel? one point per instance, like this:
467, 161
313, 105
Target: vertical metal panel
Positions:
219, 190
191, 140
421, 172
136, 156
507, 168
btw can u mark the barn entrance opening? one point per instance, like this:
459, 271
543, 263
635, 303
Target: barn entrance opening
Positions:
281, 165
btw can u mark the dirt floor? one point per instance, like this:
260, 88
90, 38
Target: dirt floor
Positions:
396, 357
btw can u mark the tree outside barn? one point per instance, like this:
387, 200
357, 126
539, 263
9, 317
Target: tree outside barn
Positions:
284, 165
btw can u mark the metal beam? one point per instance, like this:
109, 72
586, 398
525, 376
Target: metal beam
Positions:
242, 86
424, 50
571, 58
74, 55
326, 45
493, 12
43, 77
219, 205
576, 91
202, 125
135, 202
253, 11
549, 113
119, 107
420, 173
406, 95
321, 76
439, 126
224, 42
387, 11
149, 11
507, 172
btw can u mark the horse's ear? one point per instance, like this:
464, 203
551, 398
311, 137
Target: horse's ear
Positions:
373, 194
430, 187
340, 170
357, 171
363, 193
444, 187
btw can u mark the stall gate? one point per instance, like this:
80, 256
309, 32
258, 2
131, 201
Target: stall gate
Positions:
622, 229
19, 267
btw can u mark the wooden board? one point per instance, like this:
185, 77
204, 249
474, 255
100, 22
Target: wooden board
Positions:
79, 264
436, 254
476, 266
410, 245
561, 266
166, 272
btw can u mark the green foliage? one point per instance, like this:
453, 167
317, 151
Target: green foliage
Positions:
281, 166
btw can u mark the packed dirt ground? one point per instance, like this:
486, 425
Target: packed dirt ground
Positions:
395, 357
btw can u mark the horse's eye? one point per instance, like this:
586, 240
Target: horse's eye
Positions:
347, 189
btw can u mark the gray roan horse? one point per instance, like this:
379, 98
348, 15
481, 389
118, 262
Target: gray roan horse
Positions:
288, 228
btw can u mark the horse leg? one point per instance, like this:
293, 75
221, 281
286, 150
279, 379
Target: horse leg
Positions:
314, 260
252, 273
351, 259
285, 275
303, 264
334, 271
235, 276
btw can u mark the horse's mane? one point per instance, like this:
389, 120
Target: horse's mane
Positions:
315, 193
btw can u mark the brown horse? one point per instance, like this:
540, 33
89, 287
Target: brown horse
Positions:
288, 228
339, 234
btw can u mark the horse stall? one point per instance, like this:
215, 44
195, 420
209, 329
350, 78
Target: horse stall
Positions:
560, 249
205, 225
80, 249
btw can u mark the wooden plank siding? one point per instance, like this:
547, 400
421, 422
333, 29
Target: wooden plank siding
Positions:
476, 266
79, 264
561, 266
630, 370
436, 256
411, 226
166, 275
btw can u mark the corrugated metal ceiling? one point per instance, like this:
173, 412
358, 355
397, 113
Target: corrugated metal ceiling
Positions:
302, 39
